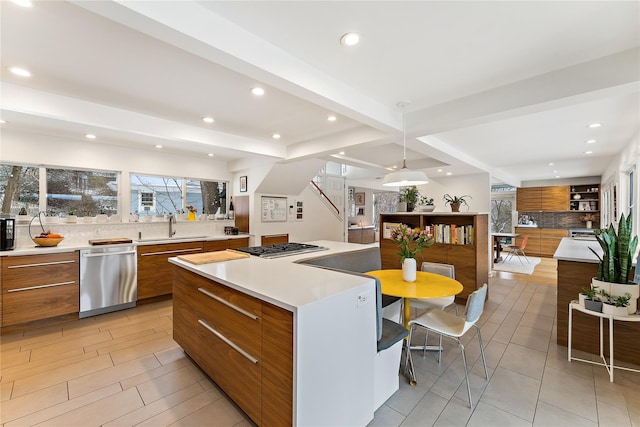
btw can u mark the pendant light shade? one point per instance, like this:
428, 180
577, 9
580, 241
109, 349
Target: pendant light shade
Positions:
404, 176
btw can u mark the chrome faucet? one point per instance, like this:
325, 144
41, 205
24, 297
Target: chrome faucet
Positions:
172, 220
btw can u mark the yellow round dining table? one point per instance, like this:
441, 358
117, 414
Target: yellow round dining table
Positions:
427, 285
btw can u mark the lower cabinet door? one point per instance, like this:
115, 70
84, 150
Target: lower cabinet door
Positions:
36, 304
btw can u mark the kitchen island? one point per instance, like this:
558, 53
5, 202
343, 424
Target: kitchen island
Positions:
576, 266
291, 344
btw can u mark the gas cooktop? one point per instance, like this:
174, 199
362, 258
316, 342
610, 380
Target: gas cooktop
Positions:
284, 249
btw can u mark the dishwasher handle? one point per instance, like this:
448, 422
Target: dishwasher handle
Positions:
91, 255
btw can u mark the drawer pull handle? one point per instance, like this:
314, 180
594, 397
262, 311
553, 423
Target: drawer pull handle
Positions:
51, 285
41, 264
172, 252
228, 304
228, 341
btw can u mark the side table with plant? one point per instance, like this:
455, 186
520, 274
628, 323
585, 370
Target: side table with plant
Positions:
410, 243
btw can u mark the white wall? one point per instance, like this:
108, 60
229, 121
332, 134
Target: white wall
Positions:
478, 186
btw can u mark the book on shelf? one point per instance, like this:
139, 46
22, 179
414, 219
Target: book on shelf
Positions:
451, 233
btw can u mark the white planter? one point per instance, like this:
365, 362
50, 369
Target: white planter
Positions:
402, 206
427, 208
101, 218
618, 289
71, 219
581, 298
614, 311
409, 270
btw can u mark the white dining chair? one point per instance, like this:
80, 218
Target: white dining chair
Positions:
452, 326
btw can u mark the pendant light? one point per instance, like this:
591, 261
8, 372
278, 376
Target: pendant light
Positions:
404, 176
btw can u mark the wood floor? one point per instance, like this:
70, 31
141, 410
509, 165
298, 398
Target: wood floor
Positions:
544, 273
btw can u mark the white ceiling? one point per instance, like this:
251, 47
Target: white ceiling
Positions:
503, 87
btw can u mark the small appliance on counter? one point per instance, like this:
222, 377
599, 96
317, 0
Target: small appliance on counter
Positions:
7, 234
231, 230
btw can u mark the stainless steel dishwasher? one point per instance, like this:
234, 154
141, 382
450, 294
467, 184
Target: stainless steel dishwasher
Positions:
108, 279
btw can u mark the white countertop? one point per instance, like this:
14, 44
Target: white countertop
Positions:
577, 250
281, 281
62, 247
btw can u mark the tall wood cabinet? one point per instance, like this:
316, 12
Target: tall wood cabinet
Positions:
552, 198
468, 251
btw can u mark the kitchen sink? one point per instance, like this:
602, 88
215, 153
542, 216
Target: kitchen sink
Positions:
160, 239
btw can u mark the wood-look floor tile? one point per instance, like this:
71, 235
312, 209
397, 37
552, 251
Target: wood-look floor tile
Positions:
68, 342
168, 383
159, 323
154, 373
143, 349
123, 342
142, 414
99, 412
181, 410
170, 355
60, 374
64, 407
110, 375
5, 390
42, 366
26, 404
14, 358
221, 410
11, 340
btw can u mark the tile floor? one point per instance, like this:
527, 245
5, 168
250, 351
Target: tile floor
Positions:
123, 369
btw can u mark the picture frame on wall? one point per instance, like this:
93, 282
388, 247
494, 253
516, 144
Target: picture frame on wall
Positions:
359, 199
243, 184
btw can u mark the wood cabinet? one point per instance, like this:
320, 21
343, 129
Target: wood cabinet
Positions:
222, 330
362, 235
552, 198
221, 245
154, 270
470, 257
542, 241
36, 287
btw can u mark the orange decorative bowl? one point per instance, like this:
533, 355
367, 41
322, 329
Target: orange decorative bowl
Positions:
47, 241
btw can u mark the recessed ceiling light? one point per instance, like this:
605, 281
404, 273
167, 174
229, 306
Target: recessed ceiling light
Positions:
591, 141
394, 167
275, 136
90, 136
20, 72
3, 121
550, 163
594, 125
448, 173
557, 176
23, 3
555, 171
208, 119
341, 153
257, 91
158, 146
439, 170
350, 39
332, 118
588, 152
210, 154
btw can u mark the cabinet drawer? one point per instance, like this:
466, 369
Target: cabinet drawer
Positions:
216, 245
237, 316
238, 243
39, 271
238, 376
36, 304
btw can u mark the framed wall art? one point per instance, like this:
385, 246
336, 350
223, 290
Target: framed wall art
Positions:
243, 184
359, 199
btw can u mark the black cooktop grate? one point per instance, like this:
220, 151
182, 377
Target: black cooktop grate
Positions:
283, 249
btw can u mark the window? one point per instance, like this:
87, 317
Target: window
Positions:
503, 202
19, 189
85, 193
152, 195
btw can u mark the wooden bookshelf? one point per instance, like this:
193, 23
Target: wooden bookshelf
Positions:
470, 257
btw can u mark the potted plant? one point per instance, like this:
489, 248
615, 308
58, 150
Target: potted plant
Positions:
410, 242
616, 261
23, 215
456, 201
102, 216
587, 294
426, 204
409, 195
71, 217
617, 305
588, 219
